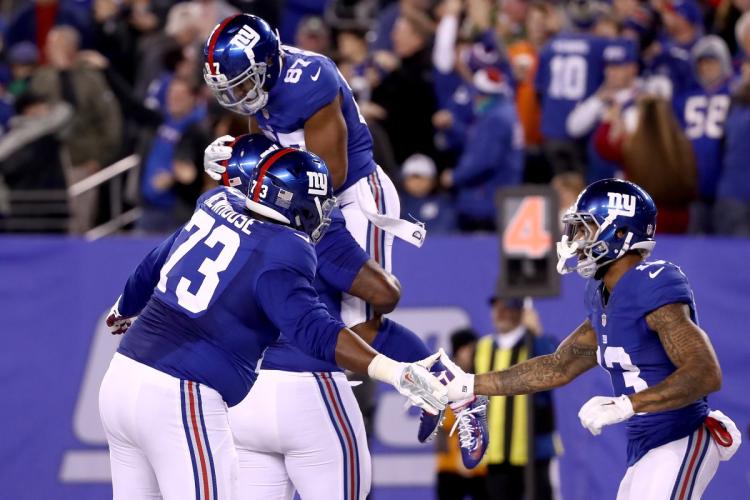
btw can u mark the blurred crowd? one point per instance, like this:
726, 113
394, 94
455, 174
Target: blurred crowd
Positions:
462, 97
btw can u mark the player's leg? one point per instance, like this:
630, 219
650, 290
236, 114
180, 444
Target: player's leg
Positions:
256, 427
132, 475
680, 469
377, 192
330, 459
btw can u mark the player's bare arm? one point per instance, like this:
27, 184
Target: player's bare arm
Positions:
575, 355
377, 287
688, 347
326, 136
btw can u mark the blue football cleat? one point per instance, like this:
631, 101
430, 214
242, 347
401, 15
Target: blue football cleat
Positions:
473, 435
428, 425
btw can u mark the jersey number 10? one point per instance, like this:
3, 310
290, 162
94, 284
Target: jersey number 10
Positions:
209, 268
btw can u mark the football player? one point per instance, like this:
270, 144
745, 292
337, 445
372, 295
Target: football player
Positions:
224, 286
642, 327
315, 428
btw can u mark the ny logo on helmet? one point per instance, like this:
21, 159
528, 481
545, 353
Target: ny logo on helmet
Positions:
621, 204
318, 183
247, 37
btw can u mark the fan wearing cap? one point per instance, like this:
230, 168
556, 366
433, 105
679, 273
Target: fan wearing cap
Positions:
702, 112
420, 199
610, 112
492, 156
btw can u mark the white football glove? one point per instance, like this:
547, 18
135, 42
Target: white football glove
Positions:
460, 384
412, 380
602, 410
117, 323
215, 153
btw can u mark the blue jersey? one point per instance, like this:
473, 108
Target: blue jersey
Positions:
571, 68
702, 114
227, 285
633, 354
308, 82
339, 260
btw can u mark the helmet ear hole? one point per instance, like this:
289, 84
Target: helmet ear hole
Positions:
621, 232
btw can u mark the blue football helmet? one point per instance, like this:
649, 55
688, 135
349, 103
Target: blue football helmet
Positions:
609, 218
247, 151
289, 186
242, 63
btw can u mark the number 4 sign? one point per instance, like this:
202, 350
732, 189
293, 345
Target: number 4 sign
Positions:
526, 233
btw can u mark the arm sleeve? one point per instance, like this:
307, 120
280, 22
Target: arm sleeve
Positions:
399, 343
291, 303
483, 153
141, 283
584, 117
339, 256
444, 51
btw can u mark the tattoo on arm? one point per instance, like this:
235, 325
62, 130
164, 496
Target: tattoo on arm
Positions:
575, 355
690, 350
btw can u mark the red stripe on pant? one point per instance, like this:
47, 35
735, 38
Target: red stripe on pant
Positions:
198, 442
342, 423
696, 451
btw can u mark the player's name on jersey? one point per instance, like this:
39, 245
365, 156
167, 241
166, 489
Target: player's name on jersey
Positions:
219, 204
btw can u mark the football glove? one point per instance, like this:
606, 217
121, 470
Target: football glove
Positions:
602, 410
117, 323
460, 385
215, 153
411, 380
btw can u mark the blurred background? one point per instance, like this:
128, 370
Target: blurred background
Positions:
489, 115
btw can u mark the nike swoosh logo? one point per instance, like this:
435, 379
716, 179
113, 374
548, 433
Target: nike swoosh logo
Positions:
654, 274
316, 75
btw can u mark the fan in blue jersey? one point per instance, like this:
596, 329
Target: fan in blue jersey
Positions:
642, 327
702, 111
224, 286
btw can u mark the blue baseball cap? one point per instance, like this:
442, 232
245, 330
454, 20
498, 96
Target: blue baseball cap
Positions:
686, 8
621, 51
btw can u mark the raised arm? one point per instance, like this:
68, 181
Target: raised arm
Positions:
688, 347
326, 136
575, 355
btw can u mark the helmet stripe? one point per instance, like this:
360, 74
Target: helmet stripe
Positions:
225, 175
264, 168
212, 42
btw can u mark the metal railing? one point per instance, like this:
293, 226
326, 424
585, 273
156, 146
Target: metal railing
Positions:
114, 175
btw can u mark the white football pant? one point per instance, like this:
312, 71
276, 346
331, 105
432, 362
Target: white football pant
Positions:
679, 470
376, 242
168, 438
301, 431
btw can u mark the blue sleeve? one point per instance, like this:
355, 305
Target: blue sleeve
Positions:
339, 256
399, 343
484, 152
669, 286
291, 303
141, 283
321, 91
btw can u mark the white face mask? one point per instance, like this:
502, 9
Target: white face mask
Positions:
579, 236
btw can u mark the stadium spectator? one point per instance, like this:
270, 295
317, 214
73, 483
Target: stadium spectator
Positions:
313, 35
670, 56
33, 22
732, 210
508, 453
33, 158
605, 117
387, 19
568, 186
405, 93
524, 59
702, 111
96, 131
212, 12
22, 59
454, 480
420, 200
170, 180
492, 157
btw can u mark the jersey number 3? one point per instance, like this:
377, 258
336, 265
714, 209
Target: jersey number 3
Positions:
210, 269
630, 372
